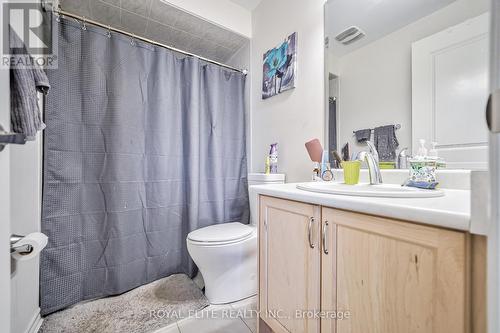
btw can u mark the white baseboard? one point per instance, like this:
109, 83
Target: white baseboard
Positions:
36, 323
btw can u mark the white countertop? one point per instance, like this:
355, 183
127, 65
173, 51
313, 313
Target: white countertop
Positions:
450, 211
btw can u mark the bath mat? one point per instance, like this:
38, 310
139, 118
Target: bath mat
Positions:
141, 310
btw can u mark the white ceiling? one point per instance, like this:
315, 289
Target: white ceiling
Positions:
377, 18
248, 4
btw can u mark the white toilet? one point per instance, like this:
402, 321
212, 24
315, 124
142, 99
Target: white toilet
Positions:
226, 254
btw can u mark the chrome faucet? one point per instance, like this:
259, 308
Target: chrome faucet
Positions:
372, 160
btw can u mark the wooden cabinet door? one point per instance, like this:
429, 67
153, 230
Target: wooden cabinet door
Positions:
397, 277
289, 265
328, 271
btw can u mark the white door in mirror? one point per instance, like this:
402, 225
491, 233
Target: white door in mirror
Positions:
450, 93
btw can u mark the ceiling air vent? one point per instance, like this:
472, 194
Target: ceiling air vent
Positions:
350, 35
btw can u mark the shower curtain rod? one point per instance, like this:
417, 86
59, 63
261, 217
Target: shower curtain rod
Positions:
85, 20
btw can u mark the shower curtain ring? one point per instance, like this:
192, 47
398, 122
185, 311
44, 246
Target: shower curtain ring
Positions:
109, 32
56, 10
132, 40
56, 13
84, 25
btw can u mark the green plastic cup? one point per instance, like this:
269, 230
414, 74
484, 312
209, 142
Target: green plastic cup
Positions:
351, 172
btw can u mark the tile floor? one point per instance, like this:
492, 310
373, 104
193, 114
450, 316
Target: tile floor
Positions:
238, 317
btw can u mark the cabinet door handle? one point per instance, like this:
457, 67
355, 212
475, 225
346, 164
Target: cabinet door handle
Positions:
325, 230
309, 232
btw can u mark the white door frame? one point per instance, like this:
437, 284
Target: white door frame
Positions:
494, 148
4, 197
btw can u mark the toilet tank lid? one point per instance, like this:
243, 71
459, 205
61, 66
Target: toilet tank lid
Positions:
221, 232
262, 177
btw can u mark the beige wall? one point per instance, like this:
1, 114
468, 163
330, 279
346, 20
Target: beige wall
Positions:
297, 115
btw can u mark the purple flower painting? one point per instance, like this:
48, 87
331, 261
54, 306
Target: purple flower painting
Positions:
279, 68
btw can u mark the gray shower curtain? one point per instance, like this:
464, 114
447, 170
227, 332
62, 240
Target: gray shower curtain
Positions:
141, 147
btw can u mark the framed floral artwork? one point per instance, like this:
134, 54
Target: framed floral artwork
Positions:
279, 68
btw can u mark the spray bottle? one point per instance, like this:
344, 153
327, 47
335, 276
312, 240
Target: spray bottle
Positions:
273, 157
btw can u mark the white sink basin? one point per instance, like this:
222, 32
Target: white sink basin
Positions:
367, 190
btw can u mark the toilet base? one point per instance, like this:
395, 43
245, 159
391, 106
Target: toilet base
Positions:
229, 271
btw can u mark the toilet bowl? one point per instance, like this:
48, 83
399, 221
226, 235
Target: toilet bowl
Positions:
226, 254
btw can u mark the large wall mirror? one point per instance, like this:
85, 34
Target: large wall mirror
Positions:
415, 69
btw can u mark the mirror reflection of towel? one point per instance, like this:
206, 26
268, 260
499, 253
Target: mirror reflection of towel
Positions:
386, 142
363, 135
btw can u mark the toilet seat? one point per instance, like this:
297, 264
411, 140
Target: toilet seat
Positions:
220, 234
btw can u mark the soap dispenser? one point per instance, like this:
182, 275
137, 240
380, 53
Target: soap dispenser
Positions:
422, 151
423, 167
433, 153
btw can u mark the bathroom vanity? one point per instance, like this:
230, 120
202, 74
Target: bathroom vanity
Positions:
332, 263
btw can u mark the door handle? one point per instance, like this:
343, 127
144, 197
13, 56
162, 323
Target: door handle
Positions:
309, 232
23, 249
493, 112
325, 230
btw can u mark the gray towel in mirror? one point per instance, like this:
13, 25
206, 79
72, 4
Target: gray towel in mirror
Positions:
385, 141
363, 135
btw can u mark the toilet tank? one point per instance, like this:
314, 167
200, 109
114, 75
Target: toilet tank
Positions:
261, 179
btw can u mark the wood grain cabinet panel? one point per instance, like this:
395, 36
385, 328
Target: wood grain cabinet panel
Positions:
324, 270
398, 277
289, 264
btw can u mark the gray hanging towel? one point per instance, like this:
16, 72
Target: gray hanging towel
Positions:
386, 142
363, 135
25, 81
